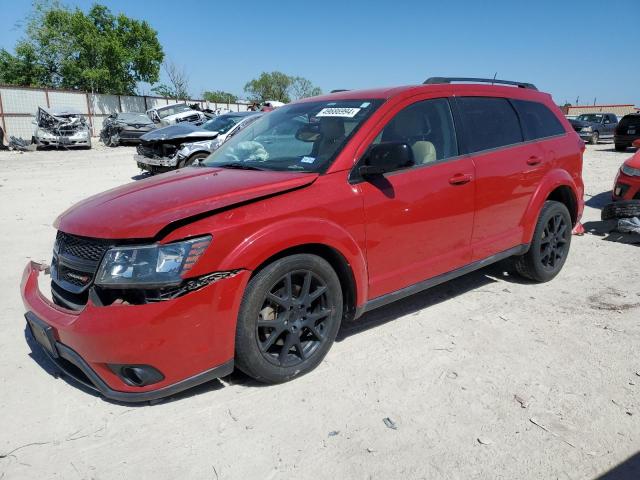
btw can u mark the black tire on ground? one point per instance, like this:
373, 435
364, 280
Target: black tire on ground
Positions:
594, 138
550, 244
289, 317
621, 209
192, 159
620, 147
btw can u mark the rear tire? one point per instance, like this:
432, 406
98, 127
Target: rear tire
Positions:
621, 147
594, 138
550, 244
621, 209
289, 317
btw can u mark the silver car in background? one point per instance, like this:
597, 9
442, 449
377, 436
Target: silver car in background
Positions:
181, 145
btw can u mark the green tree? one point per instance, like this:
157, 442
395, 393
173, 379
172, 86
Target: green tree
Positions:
303, 88
269, 86
97, 51
219, 96
279, 86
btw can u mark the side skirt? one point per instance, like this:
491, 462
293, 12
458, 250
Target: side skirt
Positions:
437, 280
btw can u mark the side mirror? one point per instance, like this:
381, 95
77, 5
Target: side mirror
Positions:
636, 143
386, 157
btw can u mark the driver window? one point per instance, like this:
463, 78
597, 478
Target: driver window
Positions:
427, 127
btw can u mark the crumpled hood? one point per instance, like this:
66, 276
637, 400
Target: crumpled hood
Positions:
581, 123
181, 130
141, 209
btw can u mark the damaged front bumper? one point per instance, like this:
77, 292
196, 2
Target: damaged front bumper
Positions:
169, 345
148, 163
77, 140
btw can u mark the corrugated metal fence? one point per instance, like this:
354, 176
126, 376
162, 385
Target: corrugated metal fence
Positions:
18, 106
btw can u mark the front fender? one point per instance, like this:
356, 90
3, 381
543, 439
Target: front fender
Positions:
552, 180
272, 239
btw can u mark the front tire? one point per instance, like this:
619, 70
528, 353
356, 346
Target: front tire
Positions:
289, 318
550, 244
594, 138
196, 157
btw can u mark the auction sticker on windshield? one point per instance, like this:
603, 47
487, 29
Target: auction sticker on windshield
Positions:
338, 112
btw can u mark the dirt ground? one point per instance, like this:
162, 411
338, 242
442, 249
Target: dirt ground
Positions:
484, 377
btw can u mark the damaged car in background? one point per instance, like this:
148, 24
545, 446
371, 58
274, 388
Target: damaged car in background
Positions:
61, 128
184, 144
177, 113
120, 128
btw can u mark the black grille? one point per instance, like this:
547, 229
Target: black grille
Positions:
80, 247
74, 265
74, 277
157, 150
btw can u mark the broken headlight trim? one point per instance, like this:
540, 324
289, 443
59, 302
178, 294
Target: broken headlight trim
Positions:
145, 266
632, 172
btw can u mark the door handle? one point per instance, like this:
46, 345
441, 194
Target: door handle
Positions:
460, 179
534, 160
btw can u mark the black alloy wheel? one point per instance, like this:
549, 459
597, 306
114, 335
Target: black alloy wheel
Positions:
289, 317
549, 246
294, 318
553, 242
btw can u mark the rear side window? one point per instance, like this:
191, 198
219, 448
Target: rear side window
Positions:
489, 123
537, 120
630, 121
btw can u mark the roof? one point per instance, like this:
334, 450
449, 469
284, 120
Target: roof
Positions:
457, 88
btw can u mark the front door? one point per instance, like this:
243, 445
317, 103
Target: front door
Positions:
419, 219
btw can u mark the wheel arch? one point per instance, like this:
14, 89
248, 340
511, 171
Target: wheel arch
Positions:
306, 235
559, 186
337, 261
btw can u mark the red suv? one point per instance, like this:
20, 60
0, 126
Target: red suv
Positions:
318, 212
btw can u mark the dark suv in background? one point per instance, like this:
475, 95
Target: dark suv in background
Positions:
593, 127
627, 131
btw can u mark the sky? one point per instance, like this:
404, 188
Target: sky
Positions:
571, 49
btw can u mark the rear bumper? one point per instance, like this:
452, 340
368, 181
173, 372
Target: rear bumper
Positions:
190, 339
626, 139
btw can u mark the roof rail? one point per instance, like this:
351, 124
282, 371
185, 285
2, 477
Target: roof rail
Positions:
339, 90
436, 80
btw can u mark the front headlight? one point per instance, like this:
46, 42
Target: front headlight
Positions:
632, 172
587, 129
147, 266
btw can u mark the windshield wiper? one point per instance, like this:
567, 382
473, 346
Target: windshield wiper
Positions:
238, 165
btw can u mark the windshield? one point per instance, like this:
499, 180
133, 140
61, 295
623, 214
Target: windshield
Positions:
134, 118
298, 137
223, 123
172, 110
590, 117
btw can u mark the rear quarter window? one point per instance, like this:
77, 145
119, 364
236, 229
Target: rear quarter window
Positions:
537, 120
488, 123
630, 121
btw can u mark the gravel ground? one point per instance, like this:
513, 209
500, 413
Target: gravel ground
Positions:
484, 377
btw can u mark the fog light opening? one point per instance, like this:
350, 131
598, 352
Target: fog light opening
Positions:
137, 375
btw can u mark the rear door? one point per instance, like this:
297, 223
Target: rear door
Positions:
419, 219
508, 170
